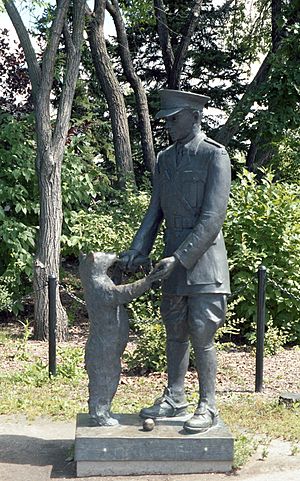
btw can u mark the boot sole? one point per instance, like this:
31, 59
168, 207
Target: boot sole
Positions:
176, 415
195, 430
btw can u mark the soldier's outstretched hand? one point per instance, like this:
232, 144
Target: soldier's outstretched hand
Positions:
131, 260
164, 268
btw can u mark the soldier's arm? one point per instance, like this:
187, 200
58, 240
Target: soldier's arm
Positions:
213, 211
145, 236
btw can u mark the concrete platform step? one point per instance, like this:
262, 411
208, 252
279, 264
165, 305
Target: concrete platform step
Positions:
127, 449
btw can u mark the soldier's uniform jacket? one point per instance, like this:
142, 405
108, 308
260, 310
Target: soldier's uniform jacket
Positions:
190, 191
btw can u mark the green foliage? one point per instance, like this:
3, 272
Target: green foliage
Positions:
70, 363
150, 351
146, 307
281, 92
109, 226
18, 201
6, 301
275, 111
138, 11
274, 340
23, 343
244, 447
286, 163
82, 181
263, 227
35, 374
69, 367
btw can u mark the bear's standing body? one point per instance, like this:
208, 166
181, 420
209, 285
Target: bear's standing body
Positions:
109, 330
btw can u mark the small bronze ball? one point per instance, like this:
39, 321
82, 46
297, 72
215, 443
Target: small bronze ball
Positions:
148, 424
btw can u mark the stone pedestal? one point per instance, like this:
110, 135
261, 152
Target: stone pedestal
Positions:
128, 450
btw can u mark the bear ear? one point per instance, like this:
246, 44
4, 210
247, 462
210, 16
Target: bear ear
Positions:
82, 256
91, 257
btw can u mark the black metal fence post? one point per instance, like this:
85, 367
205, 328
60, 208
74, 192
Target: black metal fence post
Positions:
260, 329
52, 284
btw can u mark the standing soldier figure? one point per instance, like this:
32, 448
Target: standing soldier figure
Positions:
190, 192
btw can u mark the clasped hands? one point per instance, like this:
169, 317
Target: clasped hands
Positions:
132, 258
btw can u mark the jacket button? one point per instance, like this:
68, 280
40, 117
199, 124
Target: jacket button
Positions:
185, 251
190, 244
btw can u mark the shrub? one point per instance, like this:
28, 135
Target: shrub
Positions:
82, 181
18, 203
109, 225
286, 163
150, 351
263, 227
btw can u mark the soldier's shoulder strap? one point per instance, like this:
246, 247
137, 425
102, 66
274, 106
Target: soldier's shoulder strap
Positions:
213, 142
166, 151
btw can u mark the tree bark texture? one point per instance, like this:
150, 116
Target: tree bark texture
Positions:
50, 149
164, 38
137, 86
47, 259
113, 94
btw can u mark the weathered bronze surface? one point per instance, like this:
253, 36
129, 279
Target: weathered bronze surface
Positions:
190, 192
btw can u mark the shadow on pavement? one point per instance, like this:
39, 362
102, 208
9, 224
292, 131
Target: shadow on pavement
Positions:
26, 450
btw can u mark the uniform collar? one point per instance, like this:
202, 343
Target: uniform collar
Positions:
193, 144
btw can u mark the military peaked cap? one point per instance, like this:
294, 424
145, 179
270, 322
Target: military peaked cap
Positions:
173, 101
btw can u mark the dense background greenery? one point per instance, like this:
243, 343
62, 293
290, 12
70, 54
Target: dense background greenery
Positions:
263, 221
262, 226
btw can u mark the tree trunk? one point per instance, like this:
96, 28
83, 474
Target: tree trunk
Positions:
232, 125
48, 250
112, 91
174, 61
50, 147
276, 8
144, 125
181, 51
259, 154
137, 86
261, 151
164, 38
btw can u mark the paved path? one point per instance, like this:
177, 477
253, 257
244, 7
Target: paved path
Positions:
39, 451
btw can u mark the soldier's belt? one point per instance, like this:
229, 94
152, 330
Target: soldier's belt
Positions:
179, 222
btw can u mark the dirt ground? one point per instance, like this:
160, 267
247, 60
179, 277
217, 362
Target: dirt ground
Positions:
236, 367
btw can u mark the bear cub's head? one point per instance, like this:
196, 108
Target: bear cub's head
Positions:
97, 262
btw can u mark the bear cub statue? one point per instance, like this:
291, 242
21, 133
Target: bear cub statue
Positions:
109, 329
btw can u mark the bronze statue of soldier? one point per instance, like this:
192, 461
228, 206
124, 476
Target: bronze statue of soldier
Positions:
190, 192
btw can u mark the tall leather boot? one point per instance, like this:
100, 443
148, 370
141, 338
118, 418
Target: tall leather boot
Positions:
206, 414
173, 401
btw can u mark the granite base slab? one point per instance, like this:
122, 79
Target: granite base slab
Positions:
128, 450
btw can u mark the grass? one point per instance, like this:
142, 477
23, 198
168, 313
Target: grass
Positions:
244, 447
255, 413
27, 390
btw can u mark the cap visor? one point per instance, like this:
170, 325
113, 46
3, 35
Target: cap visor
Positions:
168, 112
